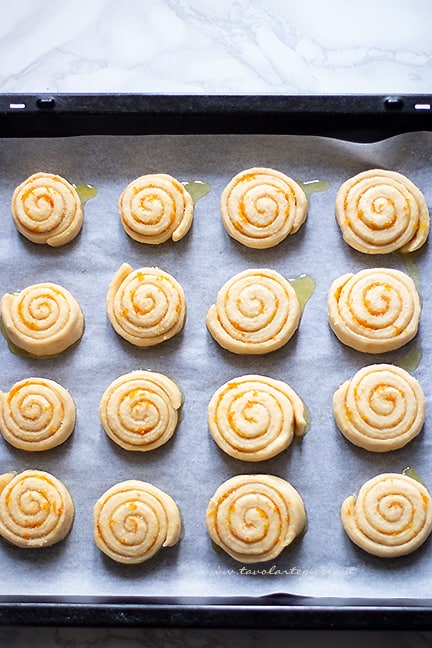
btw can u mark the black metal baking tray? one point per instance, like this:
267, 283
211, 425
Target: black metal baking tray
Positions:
358, 118
354, 117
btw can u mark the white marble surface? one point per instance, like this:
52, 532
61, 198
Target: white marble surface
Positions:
228, 46
203, 46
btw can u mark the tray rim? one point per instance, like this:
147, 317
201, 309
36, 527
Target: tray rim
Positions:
353, 117
283, 612
273, 612
361, 117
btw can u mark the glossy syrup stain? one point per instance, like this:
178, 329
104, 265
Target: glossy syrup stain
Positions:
304, 286
411, 266
85, 192
411, 360
13, 348
313, 186
412, 472
197, 189
308, 419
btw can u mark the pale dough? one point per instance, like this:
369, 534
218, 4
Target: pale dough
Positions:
46, 208
391, 515
256, 311
139, 410
36, 509
382, 211
381, 408
156, 207
261, 206
254, 418
43, 319
133, 520
145, 306
374, 310
253, 518
36, 414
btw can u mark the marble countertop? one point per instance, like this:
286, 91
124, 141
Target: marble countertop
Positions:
229, 46
223, 47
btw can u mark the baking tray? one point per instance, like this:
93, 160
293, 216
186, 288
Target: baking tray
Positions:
353, 118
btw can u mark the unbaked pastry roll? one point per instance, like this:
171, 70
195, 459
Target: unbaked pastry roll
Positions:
139, 410
381, 211
256, 311
156, 207
254, 517
36, 414
374, 310
254, 417
391, 515
43, 319
145, 306
381, 408
36, 509
133, 520
46, 208
260, 207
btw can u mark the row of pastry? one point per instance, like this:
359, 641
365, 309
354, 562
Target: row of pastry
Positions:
253, 518
256, 311
378, 211
251, 417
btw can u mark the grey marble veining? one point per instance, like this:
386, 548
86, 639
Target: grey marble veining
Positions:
228, 46
177, 638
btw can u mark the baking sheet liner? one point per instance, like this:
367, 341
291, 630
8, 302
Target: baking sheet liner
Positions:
323, 466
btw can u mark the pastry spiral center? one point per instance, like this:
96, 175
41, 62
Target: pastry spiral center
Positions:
33, 508
252, 518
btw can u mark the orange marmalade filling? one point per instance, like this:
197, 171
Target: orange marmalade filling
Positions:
33, 326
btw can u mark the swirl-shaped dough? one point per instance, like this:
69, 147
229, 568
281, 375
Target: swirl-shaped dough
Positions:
254, 517
133, 520
139, 410
43, 319
374, 310
46, 208
156, 207
254, 417
391, 515
36, 509
381, 211
381, 408
256, 311
260, 207
146, 306
36, 414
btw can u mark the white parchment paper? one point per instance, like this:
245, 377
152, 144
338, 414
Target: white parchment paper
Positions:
323, 466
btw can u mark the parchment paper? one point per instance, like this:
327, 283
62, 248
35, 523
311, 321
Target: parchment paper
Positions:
323, 466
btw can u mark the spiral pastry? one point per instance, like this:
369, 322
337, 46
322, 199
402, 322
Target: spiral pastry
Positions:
375, 310
260, 207
254, 517
133, 520
391, 515
36, 509
47, 209
156, 207
43, 319
253, 417
145, 306
36, 414
138, 411
257, 311
381, 408
381, 211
